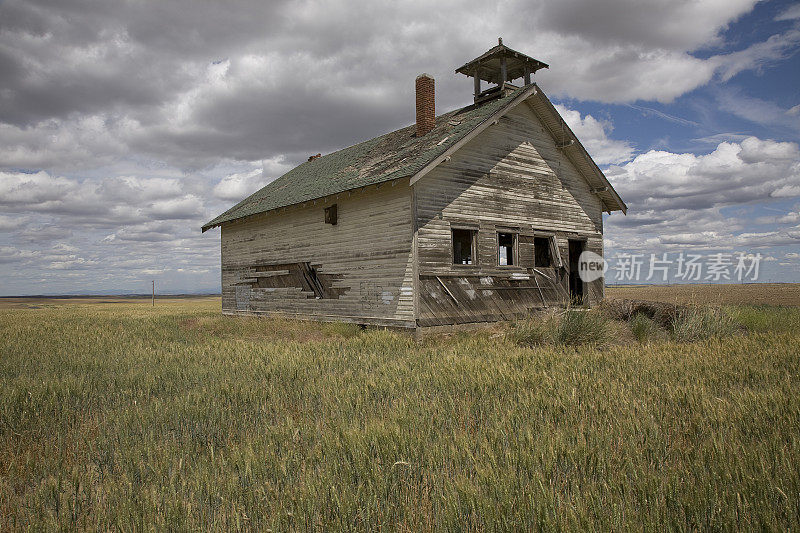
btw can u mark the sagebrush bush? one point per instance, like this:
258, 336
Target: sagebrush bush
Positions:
644, 328
579, 327
573, 327
699, 323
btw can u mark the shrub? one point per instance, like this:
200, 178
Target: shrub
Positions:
703, 322
583, 327
662, 313
643, 328
571, 328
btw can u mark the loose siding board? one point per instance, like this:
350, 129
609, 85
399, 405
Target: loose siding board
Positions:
282, 261
510, 177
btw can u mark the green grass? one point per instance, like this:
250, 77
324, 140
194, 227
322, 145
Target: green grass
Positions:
644, 329
697, 323
767, 319
571, 327
124, 417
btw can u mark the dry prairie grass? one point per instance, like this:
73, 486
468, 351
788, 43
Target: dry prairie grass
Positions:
780, 294
124, 417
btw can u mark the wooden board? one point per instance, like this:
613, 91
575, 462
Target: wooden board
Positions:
510, 176
291, 262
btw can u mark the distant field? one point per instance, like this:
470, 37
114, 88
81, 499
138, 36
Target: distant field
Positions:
41, 302
729, 294
115, 415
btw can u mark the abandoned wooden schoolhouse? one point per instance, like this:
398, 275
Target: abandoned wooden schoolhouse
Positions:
479, 214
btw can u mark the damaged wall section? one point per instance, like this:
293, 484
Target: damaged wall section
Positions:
304, 276
512, 187
292, 262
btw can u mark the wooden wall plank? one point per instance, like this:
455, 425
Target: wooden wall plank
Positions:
367, 254
512, 175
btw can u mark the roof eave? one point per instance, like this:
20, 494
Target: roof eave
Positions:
468, 67
220, 220
620, 205
531, 91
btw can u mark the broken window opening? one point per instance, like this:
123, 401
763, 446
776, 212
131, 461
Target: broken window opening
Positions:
463, 246
301, 275
310, 275
506, 245
541, 250
332, 214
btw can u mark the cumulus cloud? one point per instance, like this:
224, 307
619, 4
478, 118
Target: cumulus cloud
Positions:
672, 195
155, 231
733, 173
238, 185
789, 218
144, 77
124, 126
593, 134
120, 200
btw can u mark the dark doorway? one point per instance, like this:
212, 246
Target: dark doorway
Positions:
576, 292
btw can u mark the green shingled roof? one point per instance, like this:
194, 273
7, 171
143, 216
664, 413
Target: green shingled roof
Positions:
395, 155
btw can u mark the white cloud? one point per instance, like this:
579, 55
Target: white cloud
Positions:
72, 263
679, 200
775, 48
154, 231
791, 13
733, 173
123, 199
236, 187
44, 232
593, 134
757, 110
790, 218
10, 254
189, 206
8, 223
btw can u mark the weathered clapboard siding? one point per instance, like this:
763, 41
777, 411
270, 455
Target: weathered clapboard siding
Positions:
366, 257
510, 177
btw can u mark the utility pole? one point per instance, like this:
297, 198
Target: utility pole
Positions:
154, 293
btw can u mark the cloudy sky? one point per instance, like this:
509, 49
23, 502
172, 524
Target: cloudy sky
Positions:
126, 125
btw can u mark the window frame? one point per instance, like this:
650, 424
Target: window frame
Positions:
514, 247
332, 214
552, 249
537, 240
473, 231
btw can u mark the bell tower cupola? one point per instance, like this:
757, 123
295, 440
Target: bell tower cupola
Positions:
499, 66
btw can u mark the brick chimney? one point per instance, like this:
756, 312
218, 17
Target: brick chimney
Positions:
426, 106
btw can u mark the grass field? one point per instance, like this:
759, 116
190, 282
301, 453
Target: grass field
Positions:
116, 415
785, 294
